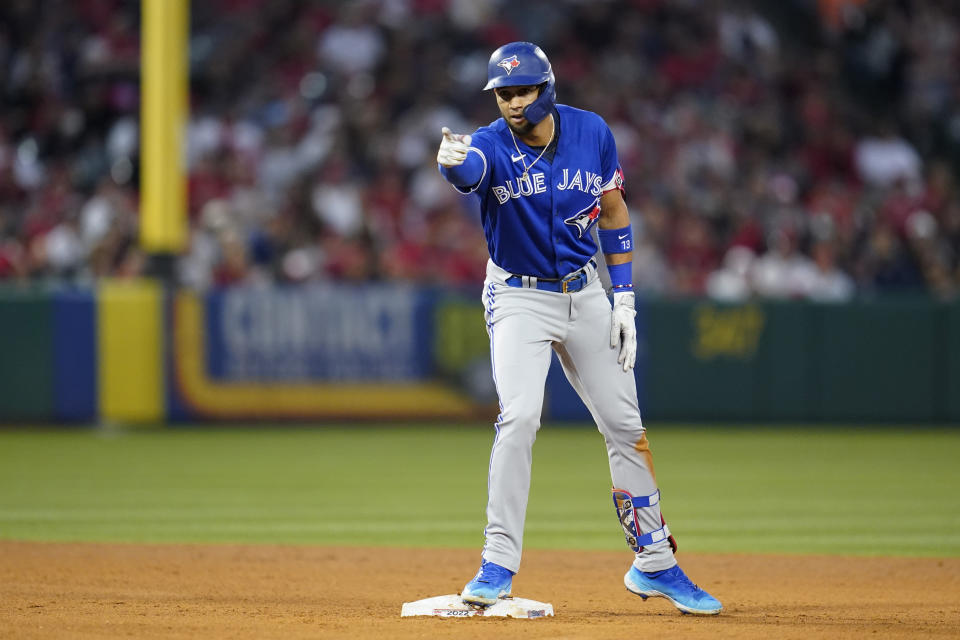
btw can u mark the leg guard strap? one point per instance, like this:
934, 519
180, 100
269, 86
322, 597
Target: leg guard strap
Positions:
651, 500
658, 535
626, 506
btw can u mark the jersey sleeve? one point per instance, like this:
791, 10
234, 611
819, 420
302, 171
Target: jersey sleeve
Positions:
609, 161
466, 176
479, 155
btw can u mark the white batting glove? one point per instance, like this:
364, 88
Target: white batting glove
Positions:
453, 148
623, 329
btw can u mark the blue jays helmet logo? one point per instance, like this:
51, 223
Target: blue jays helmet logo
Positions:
586, 218
509, 64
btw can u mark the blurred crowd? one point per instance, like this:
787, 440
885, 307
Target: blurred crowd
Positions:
796, 149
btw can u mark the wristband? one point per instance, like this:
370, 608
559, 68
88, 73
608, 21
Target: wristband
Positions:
621, 276
616, 240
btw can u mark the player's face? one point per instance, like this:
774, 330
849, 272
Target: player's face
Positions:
512, 101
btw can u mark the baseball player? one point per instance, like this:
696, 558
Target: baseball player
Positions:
547, 175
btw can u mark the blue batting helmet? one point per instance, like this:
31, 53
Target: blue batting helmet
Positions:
520, 64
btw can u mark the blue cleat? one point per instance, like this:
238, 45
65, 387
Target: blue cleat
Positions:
490, 584
674, 585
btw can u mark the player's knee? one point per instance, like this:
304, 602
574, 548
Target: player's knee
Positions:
521, 421
629, 431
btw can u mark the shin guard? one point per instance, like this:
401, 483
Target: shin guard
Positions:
627, 506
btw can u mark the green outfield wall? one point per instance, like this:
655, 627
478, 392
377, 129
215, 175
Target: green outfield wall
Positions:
26, 355
132, 352
878, 360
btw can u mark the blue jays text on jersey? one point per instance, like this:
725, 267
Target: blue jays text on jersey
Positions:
527, 185
539, 225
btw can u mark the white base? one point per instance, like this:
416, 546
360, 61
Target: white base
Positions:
451, 606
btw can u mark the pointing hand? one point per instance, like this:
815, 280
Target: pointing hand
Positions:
453, 148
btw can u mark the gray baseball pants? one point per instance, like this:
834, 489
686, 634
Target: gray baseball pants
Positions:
524, 324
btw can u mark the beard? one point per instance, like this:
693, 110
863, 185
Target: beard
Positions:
522, 130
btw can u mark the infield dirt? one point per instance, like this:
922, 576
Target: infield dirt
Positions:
54, 590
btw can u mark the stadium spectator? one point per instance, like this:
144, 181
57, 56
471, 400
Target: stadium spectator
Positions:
309, 143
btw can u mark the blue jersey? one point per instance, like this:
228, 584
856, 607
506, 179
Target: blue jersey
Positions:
540, 226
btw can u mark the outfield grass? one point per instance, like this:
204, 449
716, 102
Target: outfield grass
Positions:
795, 490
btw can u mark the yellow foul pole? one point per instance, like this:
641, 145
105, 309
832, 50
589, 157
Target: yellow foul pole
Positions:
163, 88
